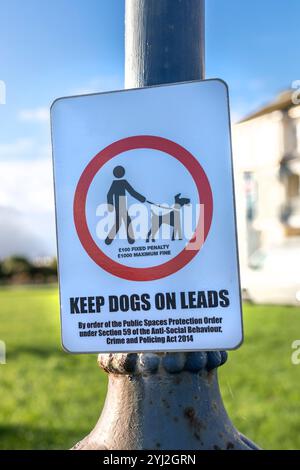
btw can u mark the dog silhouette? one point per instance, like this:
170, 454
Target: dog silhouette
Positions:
170, 216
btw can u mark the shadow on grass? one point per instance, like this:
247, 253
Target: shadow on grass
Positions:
26, 438
44, 353
35, 351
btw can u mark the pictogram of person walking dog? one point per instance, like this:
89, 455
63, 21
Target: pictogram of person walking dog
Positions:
117, 202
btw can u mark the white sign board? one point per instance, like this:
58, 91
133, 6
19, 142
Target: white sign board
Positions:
146, 220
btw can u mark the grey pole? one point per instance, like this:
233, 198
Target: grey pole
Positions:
164, 42
163, 400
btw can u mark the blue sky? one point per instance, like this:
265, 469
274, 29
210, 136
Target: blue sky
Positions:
67, 46
60, 47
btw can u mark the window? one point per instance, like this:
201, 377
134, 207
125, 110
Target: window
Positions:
250, 186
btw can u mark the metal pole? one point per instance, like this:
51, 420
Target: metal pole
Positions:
157, 400
164, 42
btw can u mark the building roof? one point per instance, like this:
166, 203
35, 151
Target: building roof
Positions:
282, 102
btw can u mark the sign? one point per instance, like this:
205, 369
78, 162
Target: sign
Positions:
146, 220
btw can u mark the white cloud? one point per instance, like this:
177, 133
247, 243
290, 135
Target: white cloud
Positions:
23, 149
27, 185
35, 115
27, 208
99, 84
19, 237
16, 149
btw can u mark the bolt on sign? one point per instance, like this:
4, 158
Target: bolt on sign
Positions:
146, 220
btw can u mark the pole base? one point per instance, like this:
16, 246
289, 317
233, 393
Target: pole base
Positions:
163, 402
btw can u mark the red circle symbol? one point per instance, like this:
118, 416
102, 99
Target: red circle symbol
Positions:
205, 198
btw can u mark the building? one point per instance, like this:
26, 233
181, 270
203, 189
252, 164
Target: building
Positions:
266, 150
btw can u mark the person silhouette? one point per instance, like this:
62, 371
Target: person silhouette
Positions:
116, 200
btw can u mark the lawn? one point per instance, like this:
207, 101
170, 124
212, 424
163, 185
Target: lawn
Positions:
50, 399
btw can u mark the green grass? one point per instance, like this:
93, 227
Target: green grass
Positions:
260, 385
50, 399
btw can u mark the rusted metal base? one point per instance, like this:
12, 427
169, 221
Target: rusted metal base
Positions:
163, 401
